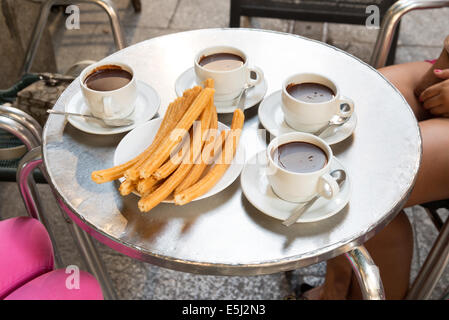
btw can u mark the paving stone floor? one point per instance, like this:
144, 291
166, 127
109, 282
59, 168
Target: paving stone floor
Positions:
93, 41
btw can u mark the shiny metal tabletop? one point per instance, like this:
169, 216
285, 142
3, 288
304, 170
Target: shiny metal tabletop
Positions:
225, 234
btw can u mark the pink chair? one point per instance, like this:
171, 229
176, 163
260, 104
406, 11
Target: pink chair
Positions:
26, 266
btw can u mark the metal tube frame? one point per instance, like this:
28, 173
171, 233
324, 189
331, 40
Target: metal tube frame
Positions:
24, 119
28, 191
29, 132
433, 267
88, 251
42, 22
390, 22
367, 273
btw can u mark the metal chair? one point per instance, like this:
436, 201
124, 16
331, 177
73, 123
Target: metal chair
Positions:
339, 11
438, 257
8, 167
12, 123
29, 132
390, 23
42, 21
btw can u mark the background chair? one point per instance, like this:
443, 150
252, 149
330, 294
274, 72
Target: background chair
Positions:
338, 11
438, 257
43, 18
28, 131
27, 266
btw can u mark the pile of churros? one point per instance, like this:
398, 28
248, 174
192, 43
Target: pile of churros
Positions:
187, 157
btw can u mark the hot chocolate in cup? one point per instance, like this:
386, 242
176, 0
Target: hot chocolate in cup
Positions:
298, 167
109, 89
310, 100
229, 68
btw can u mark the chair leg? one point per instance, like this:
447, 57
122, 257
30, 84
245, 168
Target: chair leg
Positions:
435, 218
42, 22
30, 195
234, 14
390, 22
432, 268
30, 161
93, 261
137, 5
36, 36
114, 20
367, 273
394, 44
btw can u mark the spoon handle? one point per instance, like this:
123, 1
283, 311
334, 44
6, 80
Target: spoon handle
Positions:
298, 212
51, 111
322, 130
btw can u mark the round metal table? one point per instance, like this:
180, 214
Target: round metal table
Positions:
225, 234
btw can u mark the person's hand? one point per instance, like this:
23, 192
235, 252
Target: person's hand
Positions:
436, 98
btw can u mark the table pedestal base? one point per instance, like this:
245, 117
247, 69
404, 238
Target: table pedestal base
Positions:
367, 273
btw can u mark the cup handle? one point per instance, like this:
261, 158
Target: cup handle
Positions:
328, 187
345, 113
107, 106
253, 82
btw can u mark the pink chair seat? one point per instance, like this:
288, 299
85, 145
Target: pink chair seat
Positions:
52, 286
25, 253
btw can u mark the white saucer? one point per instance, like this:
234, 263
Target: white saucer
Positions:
147, 105
141, 137
258, 191
253, 96
272, 118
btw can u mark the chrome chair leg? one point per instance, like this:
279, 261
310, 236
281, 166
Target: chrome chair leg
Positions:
22, 133
30, 195
390, 22
93, 261
35, 39
433, 267
42, 21
31, 161
367, 273
24, 119
113, 19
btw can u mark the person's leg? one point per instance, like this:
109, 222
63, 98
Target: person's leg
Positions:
433, 177
405, 77
394, 259
391, 250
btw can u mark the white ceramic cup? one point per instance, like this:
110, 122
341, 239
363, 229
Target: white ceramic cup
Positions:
230, 83
114, 104
310, 117
300, 187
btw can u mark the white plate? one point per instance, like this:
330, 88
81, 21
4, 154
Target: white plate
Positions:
254, 95
258, 191
147, 105
141, 137
272, 118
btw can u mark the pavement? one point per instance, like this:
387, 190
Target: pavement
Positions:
136, 280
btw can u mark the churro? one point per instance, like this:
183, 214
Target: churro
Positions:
116, 172
126, 187
217, 171
145, 186
173, 162
209, 151
161, 154
169, 122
